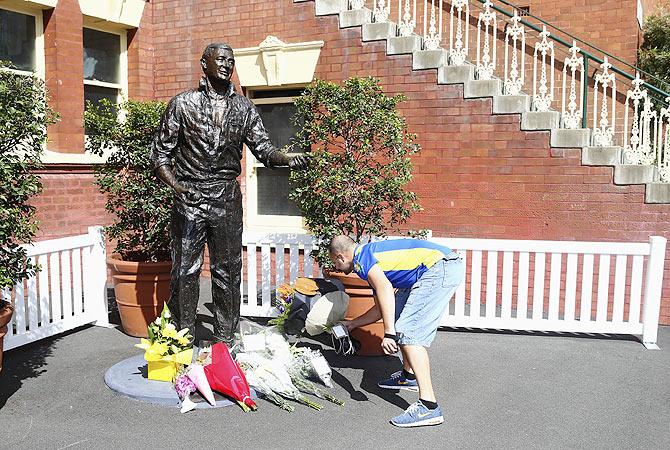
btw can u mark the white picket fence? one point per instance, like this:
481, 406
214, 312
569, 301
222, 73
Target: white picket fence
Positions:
560, 286
509, 284
67, 293
291, 260
627, 301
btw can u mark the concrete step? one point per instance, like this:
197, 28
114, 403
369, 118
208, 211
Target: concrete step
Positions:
428, 59
455, 74
355, 17
378, 31
539, 120
657, 193
634, 174
601, 156
510, 104
563, 138
403, 45
482, 88
329, 7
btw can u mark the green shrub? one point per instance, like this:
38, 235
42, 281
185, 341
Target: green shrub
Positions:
654, 53
139, 201
24, 116
359, 161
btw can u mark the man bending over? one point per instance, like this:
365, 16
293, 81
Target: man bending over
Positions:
426, 276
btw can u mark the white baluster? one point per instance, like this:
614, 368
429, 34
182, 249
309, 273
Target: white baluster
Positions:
543, 95
433, 36
638, 149
458, 47
514, 78
486, 62
357, 4
603, 129
572, 115
406, 22
663, 136
382, 10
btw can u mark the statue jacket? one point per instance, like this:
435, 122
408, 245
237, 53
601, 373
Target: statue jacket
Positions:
201, 135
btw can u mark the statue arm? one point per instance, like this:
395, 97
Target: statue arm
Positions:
165, 142
258, 141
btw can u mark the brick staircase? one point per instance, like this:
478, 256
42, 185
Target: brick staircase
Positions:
473, 88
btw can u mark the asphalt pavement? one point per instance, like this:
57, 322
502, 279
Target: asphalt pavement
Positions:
497, 390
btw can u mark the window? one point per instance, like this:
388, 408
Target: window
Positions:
267, 191
22, 40
105, 65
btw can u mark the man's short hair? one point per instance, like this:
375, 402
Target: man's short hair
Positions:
213, 46
340, 244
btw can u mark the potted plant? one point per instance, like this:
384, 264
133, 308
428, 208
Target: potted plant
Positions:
24, 115
140, 205
360, 166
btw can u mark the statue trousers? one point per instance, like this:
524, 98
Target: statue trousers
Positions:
216, 221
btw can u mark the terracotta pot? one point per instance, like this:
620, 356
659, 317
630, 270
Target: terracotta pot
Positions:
141, 289
6, 312
360, 301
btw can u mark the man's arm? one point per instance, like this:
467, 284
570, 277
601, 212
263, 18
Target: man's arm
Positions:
372, 315
385, 299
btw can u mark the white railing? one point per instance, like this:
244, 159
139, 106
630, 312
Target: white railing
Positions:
511, 284
272, 259
642, 131
67, 293
582, 296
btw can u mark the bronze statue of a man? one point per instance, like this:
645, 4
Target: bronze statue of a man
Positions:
197, 151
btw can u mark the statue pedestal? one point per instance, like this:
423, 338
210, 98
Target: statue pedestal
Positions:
129, 378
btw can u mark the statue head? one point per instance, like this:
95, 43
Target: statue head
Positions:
218, 62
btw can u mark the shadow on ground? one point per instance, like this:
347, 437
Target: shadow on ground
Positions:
23, 363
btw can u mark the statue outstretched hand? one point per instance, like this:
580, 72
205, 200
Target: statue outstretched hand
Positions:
299, 162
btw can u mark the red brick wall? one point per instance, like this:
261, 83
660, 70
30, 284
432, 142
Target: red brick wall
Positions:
141, 58
478, 174
610, 25
63, 39
69, 203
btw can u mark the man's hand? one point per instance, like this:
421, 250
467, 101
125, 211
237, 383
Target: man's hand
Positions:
298, 162
189, 197
389, 346
348, 324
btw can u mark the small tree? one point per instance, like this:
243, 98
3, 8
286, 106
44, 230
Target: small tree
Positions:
140, 202
359, 161
654, 53
24, 116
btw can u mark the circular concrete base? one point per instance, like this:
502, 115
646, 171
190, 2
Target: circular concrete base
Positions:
129, 378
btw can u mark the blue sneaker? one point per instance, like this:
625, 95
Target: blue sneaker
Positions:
417, 415
398, 381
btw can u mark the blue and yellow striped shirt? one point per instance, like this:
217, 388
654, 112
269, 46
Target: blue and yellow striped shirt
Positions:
402, 260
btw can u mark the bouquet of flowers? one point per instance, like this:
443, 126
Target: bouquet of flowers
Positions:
225, 375
285, 295
291, 307
167, 349
280, 370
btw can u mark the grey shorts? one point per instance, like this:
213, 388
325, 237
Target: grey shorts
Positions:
419, 309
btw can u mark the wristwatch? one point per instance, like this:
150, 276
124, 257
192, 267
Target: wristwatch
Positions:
391, 336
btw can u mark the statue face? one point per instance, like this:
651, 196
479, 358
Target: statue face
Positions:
219, 65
